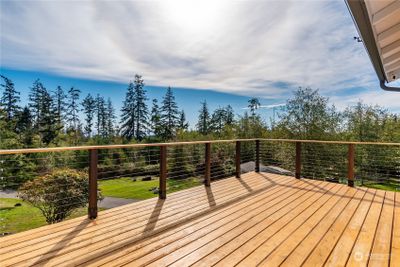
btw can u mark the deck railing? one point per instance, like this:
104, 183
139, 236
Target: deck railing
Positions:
209, 160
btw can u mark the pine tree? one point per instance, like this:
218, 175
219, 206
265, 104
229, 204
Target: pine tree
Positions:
89, 108
254, 104
60, 98
183, 124
203, 124
48, 127
229, 115
10, 98
218, 120
155, 119
73, 109
169, 115
127, 129
101, 113
110, 118
141, 110
38, 91
24, 127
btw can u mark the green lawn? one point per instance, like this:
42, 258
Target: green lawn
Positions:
388, 186
126, 188
18, 219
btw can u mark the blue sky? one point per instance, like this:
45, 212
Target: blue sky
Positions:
219, 50
188, 99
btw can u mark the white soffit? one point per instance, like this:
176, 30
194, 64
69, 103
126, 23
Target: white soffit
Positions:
384, 16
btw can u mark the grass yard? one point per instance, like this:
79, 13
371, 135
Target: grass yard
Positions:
17, 219
388, 186
126, 188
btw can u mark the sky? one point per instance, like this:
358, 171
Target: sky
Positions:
222, 51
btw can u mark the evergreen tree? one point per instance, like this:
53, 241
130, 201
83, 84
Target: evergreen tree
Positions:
169, 115
89, 108
101, 112
155, 119
183, 124
73, 109
38, 92
229, 115
10, 98
60, 99
218, 120
203, 124
48, 127
127, 129
254, 104
24, 127
110, 118
141, 111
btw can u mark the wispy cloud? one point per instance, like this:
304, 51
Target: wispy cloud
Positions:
260, 48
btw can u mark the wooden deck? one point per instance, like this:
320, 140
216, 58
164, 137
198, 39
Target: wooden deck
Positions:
260, 219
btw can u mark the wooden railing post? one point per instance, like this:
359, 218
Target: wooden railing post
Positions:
298, 160
350, 165
162, 193
93, 159
237, 159
257, 167
207, 161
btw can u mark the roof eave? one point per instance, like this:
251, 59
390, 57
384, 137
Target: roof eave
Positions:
359, 13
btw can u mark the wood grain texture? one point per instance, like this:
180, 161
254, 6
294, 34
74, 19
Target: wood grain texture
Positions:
106, 147
260, 219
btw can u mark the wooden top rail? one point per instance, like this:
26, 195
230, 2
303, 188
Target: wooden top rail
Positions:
331, 142
75, 148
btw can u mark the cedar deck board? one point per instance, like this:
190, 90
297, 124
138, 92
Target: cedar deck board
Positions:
288, 217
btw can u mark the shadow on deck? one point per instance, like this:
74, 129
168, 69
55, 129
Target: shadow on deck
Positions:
260, 219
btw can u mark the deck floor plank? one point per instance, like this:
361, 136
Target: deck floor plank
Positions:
328, 240
129, 229
208, 223
261, 219
207, 243
322, 217
340, 200
395, 251
380, 253
362, 248
342, 250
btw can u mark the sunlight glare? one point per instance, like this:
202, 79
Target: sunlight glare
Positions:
194, 15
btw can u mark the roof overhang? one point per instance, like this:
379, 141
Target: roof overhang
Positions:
378, 23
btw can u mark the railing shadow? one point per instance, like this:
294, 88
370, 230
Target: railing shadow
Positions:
155, 214
210, 196
53, 251
245, 185
317, 188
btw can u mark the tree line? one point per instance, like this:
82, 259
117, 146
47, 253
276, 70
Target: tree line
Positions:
53, 118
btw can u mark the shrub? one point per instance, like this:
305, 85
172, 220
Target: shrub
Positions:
57, 194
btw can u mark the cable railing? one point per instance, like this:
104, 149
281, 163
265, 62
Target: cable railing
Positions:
158, 169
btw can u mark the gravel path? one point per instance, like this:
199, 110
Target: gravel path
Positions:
8, 194
112, 202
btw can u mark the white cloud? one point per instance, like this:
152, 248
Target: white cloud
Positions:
261, 48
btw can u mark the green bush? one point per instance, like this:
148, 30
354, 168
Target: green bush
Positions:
57, 194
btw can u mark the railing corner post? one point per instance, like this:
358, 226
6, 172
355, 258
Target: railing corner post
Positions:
350, 165
237, 159
162, 192
257, 163
93, 173
207, 163
298, 160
